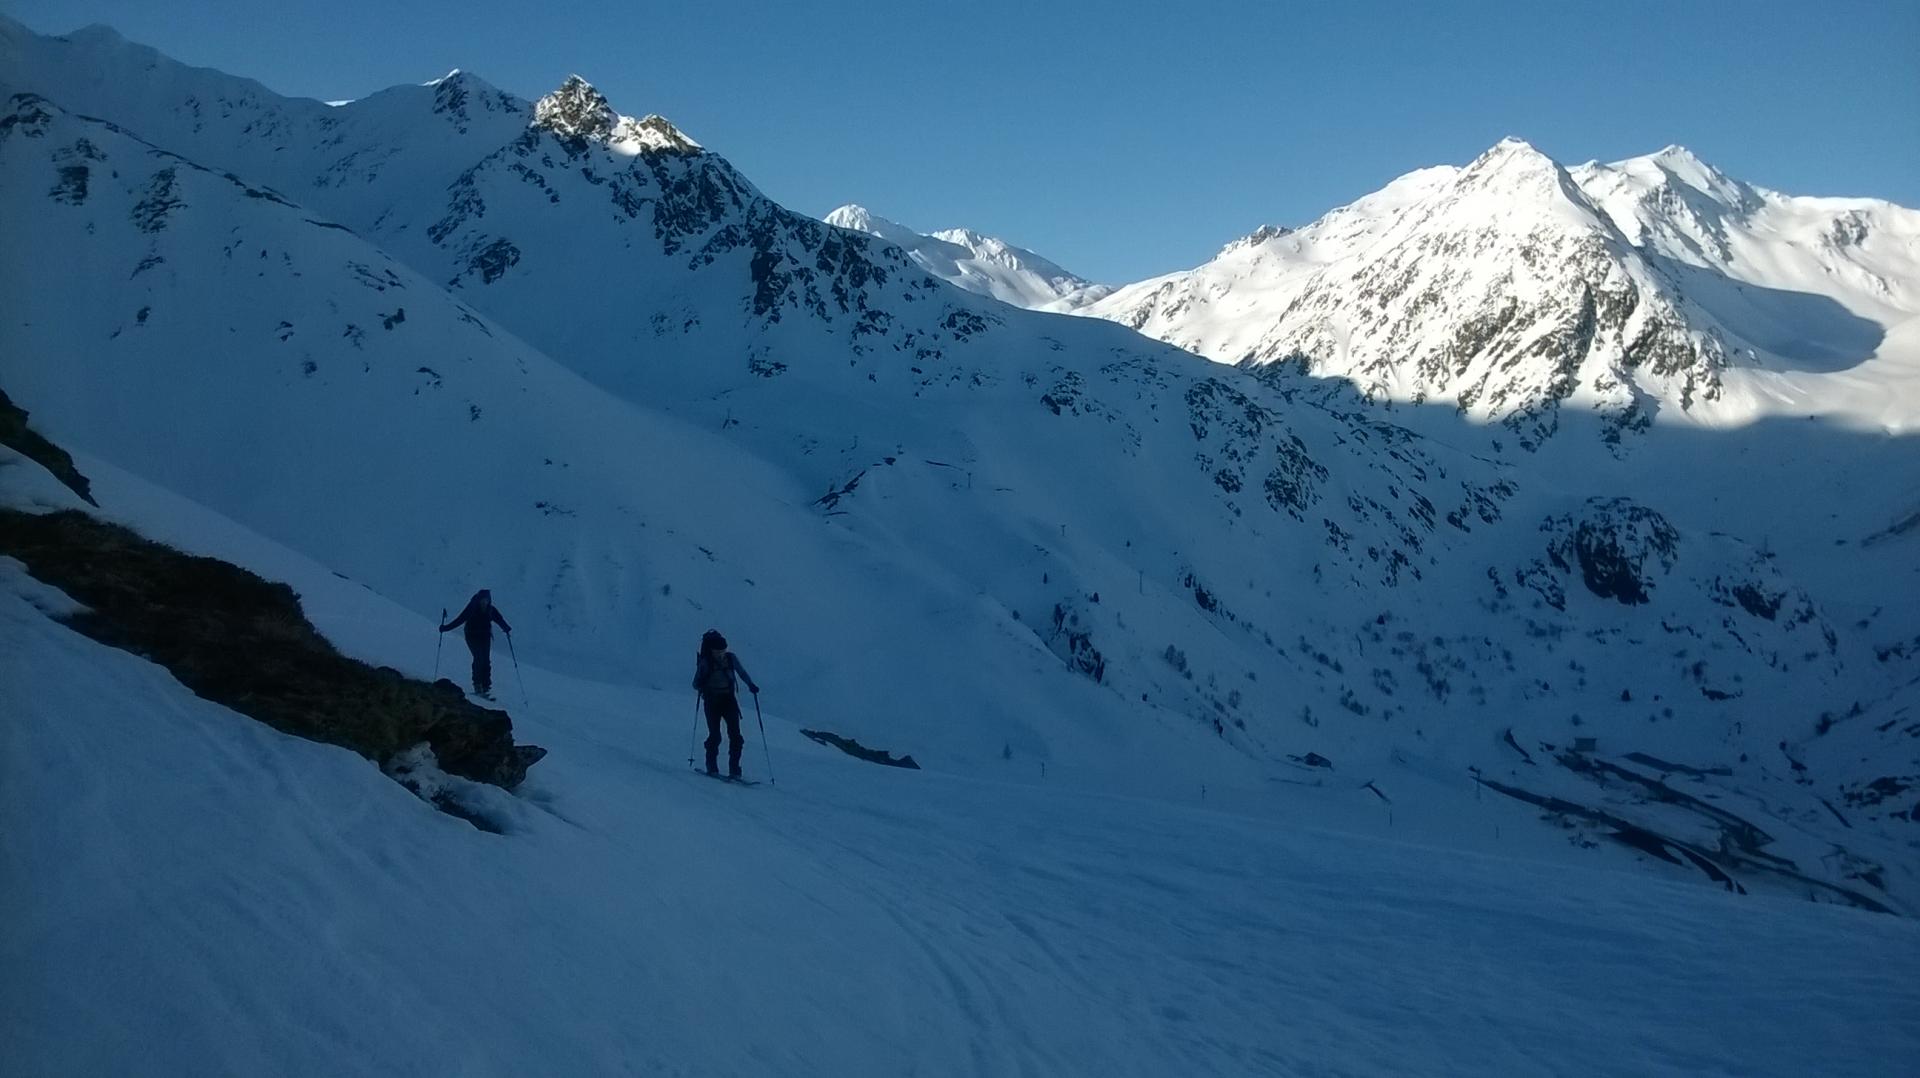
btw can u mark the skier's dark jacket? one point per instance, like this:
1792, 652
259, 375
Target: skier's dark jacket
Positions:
717, 678
479, 625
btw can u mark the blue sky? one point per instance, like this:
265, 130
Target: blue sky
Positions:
1129, 138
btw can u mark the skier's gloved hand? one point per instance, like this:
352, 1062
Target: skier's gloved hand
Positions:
754, 689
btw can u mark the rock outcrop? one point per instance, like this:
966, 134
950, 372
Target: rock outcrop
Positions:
16, 435
243, 642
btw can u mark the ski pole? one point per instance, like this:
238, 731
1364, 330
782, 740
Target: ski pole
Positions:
517, 677
438, 638
764, 754
695, 736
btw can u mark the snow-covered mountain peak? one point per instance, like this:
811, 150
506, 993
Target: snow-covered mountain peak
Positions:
1501, 287
861, 219
1257, 237
852, 215
93, 48
1514, 169
1683, 164
92, 32
1677, 170
1000, 252
967, 237
1672, 200
1656, 282
982, 264
1512, 154
1680, 159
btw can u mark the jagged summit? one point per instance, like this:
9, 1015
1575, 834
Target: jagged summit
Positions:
578, 111
1257, 237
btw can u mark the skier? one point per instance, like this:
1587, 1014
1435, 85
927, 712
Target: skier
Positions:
479, 617
713, 676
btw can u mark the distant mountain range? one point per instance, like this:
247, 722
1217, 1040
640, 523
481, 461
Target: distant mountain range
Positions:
1513, 287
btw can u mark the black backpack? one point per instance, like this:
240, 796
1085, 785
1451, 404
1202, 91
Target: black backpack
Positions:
713, 678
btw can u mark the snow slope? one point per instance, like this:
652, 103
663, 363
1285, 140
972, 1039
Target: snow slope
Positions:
309, 917
638, 400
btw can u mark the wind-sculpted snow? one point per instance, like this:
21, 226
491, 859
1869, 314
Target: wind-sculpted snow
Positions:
441, 338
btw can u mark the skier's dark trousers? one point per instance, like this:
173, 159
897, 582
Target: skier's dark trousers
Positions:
480, 617
713, 674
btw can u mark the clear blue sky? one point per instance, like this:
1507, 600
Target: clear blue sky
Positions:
1128, 138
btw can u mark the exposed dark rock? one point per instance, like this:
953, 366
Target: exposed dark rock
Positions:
1064, 397
1667, 765
1740, 844
244, 642
17, 436
854, 748
1611, 565
576, 111
1873, 793
1508, 738
72, 188
1756, 602
151, 213
1615, 543
1074, 644
492, 261
31, 116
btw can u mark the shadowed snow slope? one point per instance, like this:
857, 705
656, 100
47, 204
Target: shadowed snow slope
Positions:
309, 917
